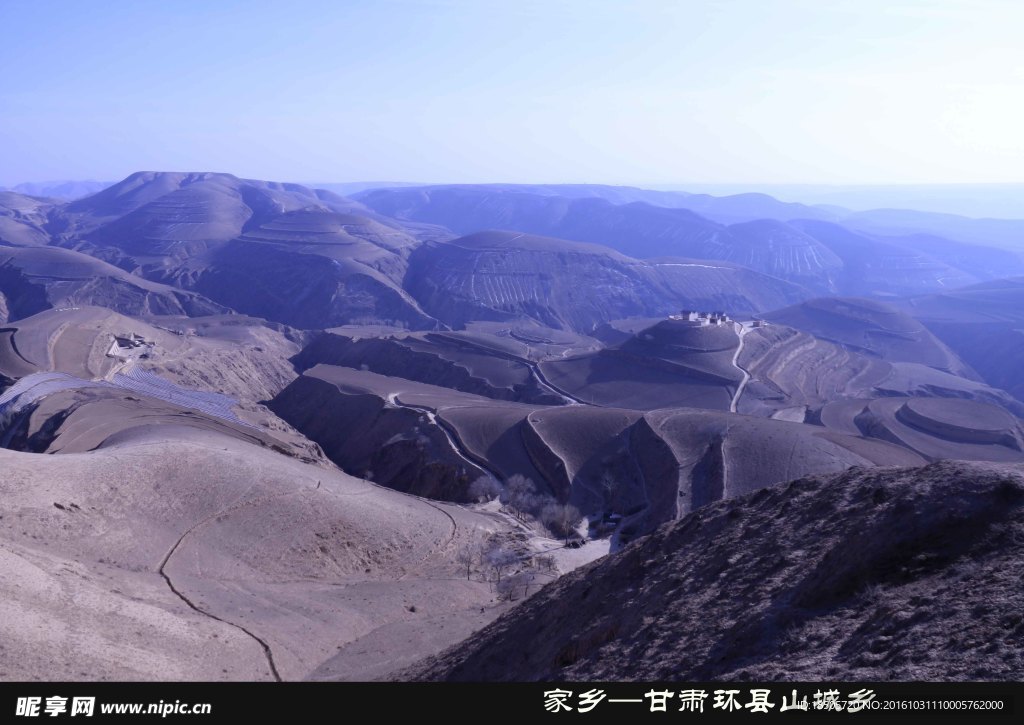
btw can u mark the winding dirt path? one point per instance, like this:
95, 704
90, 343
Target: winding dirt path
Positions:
741, 332
545, 383
162, 570
452, 435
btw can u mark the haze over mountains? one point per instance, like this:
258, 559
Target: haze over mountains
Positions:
63, 190
353, 381
750, 230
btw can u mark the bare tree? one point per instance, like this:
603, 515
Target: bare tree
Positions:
609, 487
561, 519
507, 588
485, 489
499, 559
521, 493
468, 556
546, 562
525, 579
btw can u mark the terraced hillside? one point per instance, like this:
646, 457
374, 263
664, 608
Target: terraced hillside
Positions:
816, 250
873, 327
23, 220
937, 429
151, 214
231, 362
646, 467
643, 428
504, 276
793, 374
493, 366
281, 251
636, 229
890, 266
33, 279
56, 412
231, 354
767, 370
670, 363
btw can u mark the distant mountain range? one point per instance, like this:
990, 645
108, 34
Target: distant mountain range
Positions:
64, 190
803, 245
978, 201
314, 259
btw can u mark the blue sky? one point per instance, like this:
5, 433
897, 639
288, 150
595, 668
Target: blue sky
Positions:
601, 91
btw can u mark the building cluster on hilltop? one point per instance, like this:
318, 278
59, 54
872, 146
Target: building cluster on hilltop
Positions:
701, 318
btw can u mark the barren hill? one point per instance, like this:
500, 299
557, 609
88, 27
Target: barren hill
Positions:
670, 363
874, 327
159, 541
22, 220
305, 257
497, 275
891, 574
33, 279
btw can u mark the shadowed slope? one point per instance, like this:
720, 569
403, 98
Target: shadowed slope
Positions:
983, 324
898, 574
646, 467
33, 279
457, 360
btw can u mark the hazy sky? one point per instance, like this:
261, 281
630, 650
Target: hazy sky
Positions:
602, 91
